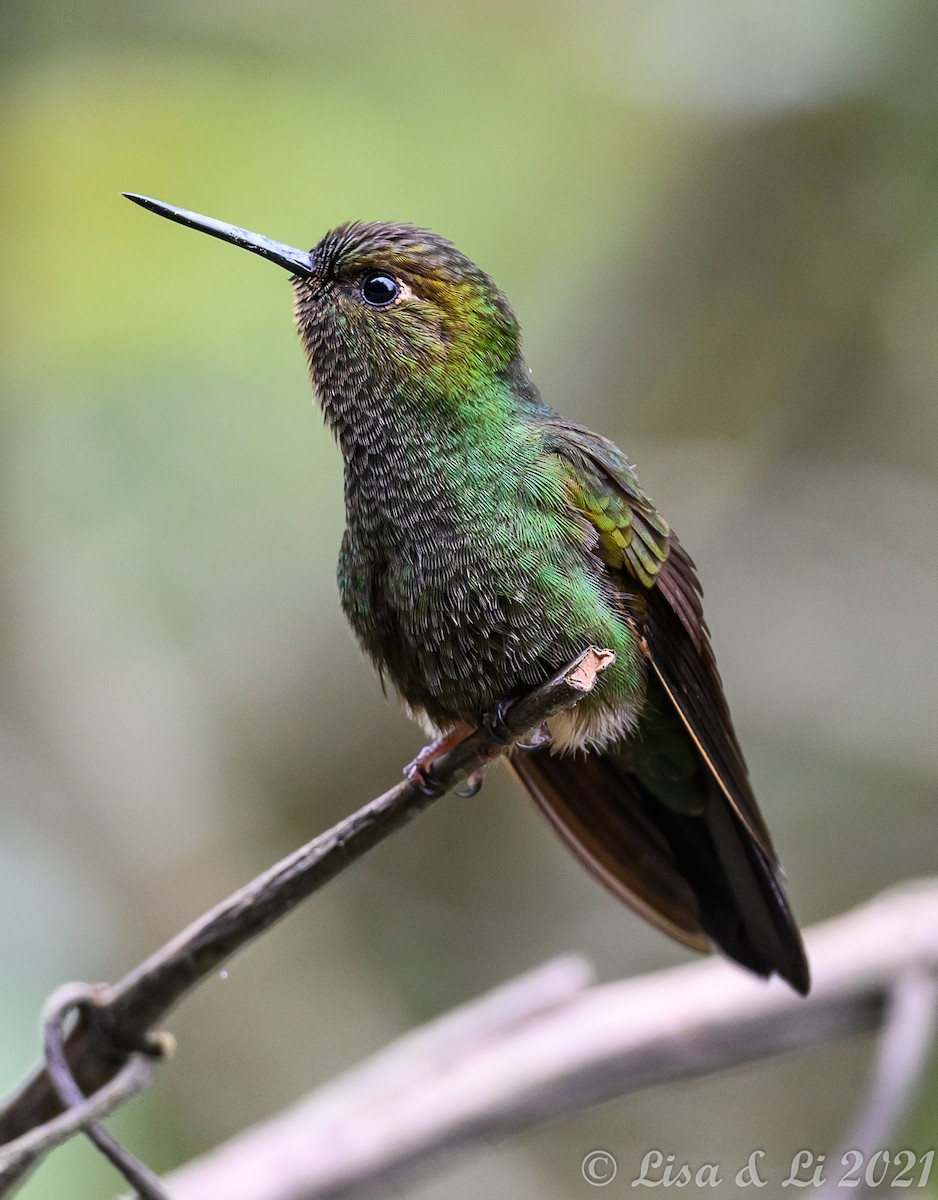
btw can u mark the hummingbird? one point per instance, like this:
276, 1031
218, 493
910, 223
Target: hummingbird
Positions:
488, 541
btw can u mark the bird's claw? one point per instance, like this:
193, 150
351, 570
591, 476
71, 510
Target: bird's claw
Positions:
539, 739
417, 775
496, 725
473, 784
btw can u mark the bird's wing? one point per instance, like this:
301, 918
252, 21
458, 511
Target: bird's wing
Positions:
635, 541
612, 825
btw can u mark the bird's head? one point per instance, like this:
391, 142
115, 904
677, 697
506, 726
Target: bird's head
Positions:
403, 303
384, 309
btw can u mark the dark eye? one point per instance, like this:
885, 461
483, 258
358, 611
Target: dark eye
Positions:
379, 289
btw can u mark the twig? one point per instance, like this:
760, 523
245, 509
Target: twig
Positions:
433, 1091
126, 1013
901, 1058
78, 998
902, 1055
19, 1156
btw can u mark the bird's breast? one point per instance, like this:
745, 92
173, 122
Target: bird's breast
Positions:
462, 607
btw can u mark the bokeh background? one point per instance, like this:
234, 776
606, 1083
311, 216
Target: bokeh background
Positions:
718, 224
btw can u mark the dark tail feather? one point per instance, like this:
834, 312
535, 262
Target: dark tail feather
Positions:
700, 879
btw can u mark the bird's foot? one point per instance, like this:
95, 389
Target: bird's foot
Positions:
473, 784
496, 727
539, 739
418, 772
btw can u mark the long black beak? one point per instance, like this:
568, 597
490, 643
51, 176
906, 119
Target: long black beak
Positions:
298, 262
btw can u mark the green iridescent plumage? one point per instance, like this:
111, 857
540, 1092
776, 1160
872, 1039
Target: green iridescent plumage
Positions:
465, 570
488, 541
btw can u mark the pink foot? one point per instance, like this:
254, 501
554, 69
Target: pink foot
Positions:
418, 772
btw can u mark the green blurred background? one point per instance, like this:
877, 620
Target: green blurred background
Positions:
717, 222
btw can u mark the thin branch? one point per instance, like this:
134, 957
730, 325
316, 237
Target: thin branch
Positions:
446, 1087
901, 1058
902, 1054
21, 1155
122, 1021
76, 997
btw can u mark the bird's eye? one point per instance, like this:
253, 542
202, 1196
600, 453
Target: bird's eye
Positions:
380, 290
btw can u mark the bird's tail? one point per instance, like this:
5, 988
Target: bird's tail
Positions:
700, 878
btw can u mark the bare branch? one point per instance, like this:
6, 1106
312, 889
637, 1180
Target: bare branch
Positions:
19, 1156
121, 1021
449, 1085
901, 1058
77, 997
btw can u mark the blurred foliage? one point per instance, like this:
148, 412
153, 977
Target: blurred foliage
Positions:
717, 224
